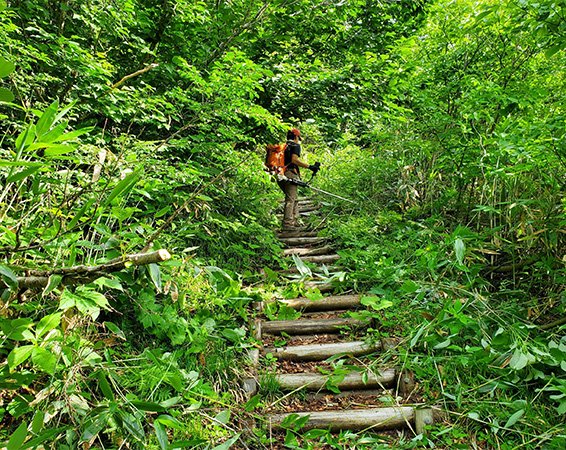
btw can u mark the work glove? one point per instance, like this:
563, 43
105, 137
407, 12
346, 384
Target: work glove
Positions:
314, 167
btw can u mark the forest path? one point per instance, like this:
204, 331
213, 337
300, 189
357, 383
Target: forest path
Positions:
317, 360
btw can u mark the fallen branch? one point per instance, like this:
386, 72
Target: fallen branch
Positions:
85, 274
551, 325
132, 75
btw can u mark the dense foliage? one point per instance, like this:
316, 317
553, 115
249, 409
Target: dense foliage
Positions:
133, 126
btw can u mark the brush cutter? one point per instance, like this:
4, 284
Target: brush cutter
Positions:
307, 185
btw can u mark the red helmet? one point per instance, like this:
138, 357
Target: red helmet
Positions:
296, 132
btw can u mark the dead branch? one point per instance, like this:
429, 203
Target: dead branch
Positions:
83, 274
132, 75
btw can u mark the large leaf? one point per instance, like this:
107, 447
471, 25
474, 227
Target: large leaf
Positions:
6, 95
14, 178
47, 323
6, 67
122, 188
161, 435
18, 437
9, 277
46, 120
19, 355
44, 360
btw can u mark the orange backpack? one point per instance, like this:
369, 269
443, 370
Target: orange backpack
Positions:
275, 158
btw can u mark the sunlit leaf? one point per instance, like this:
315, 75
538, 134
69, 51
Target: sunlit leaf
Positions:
19, 355
18, 176
46, 120
44, 360
18, 437
122, 188
155, 275
460, 250
6, 67
53, 282
6, 95
47, 323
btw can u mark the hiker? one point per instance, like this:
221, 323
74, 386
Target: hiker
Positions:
292, 164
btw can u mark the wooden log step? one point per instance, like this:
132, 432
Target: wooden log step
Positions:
294, 270
355, 419
303, 241
320, 352
331, 303
296, 233
310, 326
321, 259
307, 251
352, 381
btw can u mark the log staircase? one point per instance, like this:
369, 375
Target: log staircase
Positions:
324, 365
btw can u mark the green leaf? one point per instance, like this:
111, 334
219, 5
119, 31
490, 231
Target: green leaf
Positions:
58, 149
44, 360
6, 95
376, 303
148, 406
155, 275
18, 329
551, 51
96, 297
104, 385
54, 133
443, 344
252, 403
303, 269
68, 300
47, 323
161, 435
122, 188
52, 283
22, 174
111, 283
460, 249
26, 137
519, 360
47, 118
316, 433
73, 134
114, 329
80, 213
18, 437
9, 277
37, 422
514, 418
19, 355
5, 163
223, 417
132, 425
170, 421
6, 67
226, 445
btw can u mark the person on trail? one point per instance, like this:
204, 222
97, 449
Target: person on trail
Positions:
292, 164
